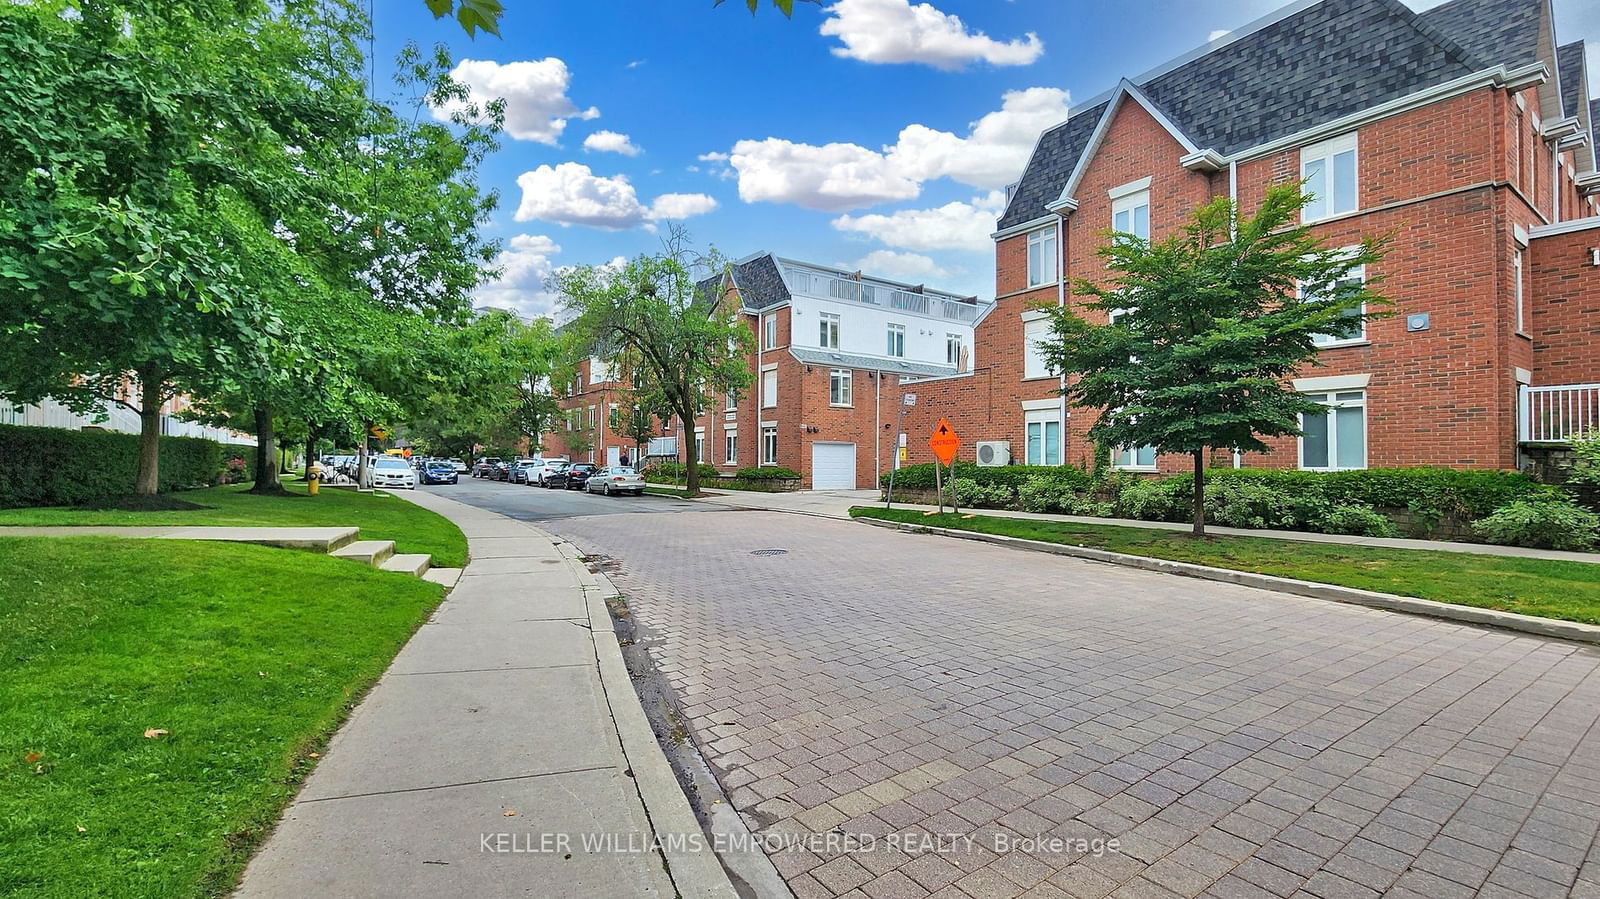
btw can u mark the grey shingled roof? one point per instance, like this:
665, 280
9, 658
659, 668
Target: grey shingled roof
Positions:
833, 359
1493, 31
1329, 60
759, 282
1569, 62
1594, 123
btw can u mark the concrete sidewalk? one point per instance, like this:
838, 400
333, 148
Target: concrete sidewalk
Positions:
837, 503
498, 756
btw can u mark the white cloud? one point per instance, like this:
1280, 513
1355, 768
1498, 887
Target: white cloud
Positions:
572, 194
611, 142
912, 267
525, 267
953, 226
637, 63
842, 176
680, 206
535, 91
894, 31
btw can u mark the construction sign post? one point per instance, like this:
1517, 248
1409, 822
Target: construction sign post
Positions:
944, 444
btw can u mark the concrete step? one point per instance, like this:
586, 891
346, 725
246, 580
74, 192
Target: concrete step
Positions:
445, 576
411, 563
367, 552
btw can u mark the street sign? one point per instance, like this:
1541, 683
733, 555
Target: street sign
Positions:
379, 431
909, 399
944, 442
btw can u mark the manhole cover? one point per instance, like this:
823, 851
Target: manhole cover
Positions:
768, 552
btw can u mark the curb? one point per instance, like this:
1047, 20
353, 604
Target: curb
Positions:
695, 871
1511, 621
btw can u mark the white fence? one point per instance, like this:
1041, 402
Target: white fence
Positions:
1557, 414
817, 284
51, 414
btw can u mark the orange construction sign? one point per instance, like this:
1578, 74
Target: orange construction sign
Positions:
944, 442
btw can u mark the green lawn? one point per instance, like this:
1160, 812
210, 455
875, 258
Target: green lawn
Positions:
1568, 590
380, 517
249, 657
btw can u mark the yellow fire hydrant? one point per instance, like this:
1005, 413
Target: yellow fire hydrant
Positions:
313, 478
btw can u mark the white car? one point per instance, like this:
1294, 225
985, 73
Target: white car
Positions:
458, 465
615, 480
393, 471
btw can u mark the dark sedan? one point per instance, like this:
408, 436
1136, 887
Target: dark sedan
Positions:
439, 473
572, 477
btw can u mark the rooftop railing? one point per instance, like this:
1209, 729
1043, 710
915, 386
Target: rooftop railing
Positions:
876, 293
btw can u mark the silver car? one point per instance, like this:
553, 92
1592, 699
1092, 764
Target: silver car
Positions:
616, 480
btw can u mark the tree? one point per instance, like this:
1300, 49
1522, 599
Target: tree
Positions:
666, 335
485, 14
1209, 326
641, 414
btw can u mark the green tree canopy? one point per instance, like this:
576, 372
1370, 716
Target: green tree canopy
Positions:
1210, 324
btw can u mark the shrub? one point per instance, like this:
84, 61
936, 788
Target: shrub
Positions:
1355, 519
1150, 499
676, 473
1448, 492
1544, 523
921, 477
1041, 493
60, 467
767, 473
1243, 503
1586, 467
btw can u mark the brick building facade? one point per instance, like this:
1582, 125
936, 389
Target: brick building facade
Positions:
1465, 134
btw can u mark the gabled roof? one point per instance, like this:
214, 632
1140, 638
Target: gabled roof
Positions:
1569, 63
1126, 90
757, 278
1493, 31
1302, 66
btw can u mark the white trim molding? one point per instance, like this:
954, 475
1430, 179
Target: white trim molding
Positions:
1561, 128
1132, 187
1206, 161
1567, 227
1522, 375
1022, 228
1519, 234
1033, 315
1124, 89
1331, 382
1048, 404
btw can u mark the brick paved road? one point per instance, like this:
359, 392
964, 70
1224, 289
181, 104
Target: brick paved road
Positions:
1236, 742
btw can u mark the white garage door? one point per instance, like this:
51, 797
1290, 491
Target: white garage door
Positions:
833, 466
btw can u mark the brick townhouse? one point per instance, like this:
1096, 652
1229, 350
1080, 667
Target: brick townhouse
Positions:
594, 410
831, 348
1466, 132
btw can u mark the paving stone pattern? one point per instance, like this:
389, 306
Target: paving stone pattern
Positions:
1236, 742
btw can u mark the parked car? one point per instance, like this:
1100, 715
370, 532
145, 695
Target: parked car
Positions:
439, 473
484, 466
570, 477
500, 471
392, 471
550, 469
615, 479
458, 465
523, 470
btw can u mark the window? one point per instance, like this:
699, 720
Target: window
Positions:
614, 418
577, 383
839, 387
593, 418
1329, 172
730, 441
769, 388
1130, 214
1137, 458
952, 349
769, 332
1042, 256
769, 445
1336, 439
733, 401
1516, 272
828, 326
1033, 364
897, 340
1044, 437
1356, 330
700, 445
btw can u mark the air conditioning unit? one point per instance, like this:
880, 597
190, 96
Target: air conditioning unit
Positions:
992, 453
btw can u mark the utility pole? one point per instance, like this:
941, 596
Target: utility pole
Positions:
906, 400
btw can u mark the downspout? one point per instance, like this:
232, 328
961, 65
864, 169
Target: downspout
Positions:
1233, 234
1061, 302
877, 431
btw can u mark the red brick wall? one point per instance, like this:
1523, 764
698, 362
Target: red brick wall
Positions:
1566, 309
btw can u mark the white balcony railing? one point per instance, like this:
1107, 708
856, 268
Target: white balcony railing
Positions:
1557, 414
818, 284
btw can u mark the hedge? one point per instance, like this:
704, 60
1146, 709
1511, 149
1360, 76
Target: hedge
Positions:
920, 477
60, 467
767, 473
676, 472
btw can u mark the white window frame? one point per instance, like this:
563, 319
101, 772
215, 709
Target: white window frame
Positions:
1330, 400
952, 348
769, 331
733, 401
1044, 255
1126, 458
828, 330
1325, 152
841, 387
1130, 203
730, 446
1034, 365
769, 389
1329, 341
769, 444
1517, 291
895, 340
1046, 419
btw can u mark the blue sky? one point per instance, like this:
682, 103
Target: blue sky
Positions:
872, 133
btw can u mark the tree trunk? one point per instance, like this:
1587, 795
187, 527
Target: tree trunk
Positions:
361, 458
151, 388
311, 451
692, 470
266, 466
1199, 493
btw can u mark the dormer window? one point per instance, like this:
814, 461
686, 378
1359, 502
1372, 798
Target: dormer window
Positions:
1042, 256
1329, 171
1130, 209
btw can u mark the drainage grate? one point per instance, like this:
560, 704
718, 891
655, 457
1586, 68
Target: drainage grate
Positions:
768, 552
